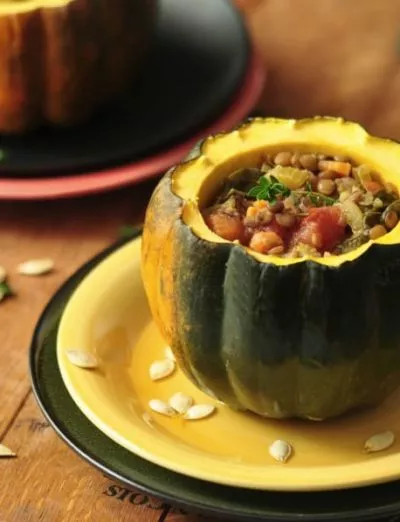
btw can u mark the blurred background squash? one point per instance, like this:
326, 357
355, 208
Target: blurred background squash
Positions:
62, 59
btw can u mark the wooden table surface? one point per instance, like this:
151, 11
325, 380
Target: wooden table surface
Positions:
47, 482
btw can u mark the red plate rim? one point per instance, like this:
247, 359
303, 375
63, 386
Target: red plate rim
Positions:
129, 174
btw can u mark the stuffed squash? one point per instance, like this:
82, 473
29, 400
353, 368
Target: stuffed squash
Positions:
305, 325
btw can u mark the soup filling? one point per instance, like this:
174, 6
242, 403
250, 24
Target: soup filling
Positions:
299, 205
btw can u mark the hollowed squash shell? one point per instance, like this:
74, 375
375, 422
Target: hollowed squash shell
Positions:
281, 337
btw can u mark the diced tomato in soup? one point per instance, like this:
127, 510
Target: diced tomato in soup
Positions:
323, 228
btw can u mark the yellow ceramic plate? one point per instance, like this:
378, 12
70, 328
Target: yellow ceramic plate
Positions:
108, 315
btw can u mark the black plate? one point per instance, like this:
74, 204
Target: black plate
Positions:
372, 503
197, 67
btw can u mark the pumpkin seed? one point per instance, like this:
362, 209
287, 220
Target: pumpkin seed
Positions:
147, 419
82, 359
3, 274
6, 452
180, 402
162, 408
280, 450
36, 267
199, 411
379, 442
169, 354
160, 369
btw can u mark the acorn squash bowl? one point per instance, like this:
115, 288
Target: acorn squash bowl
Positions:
282, 337
61, 60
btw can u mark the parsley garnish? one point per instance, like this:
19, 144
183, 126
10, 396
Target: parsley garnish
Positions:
269, 189
5, 290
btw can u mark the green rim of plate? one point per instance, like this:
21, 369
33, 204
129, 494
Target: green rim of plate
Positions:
369, 503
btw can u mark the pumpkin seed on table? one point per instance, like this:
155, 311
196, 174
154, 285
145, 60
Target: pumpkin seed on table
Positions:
82, 359
181, 402
280, 450
36, 267
161, 369
6, 452
379, 442
169, 354
199, 411
162, 408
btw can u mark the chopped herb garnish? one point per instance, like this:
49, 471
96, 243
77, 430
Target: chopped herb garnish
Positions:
127, 231
316, 198
269, 189
319, 199
5, 290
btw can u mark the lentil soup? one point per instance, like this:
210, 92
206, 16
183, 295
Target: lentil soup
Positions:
299, 205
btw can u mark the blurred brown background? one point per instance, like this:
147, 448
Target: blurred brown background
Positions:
334, 57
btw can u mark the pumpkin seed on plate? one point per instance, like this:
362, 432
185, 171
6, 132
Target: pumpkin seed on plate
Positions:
162, 408
147, 419
280, 450
160, 369
36, 267
82, 359
6, 452
180, 402
199, 411
169, 354
379, 442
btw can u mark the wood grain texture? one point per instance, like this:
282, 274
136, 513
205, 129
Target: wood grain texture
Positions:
70, 232
49, 482
333, 57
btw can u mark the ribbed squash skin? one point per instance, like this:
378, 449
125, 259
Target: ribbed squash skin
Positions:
301, 340
59, 64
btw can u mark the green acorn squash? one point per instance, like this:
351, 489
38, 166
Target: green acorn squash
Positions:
62, 59
282, 337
